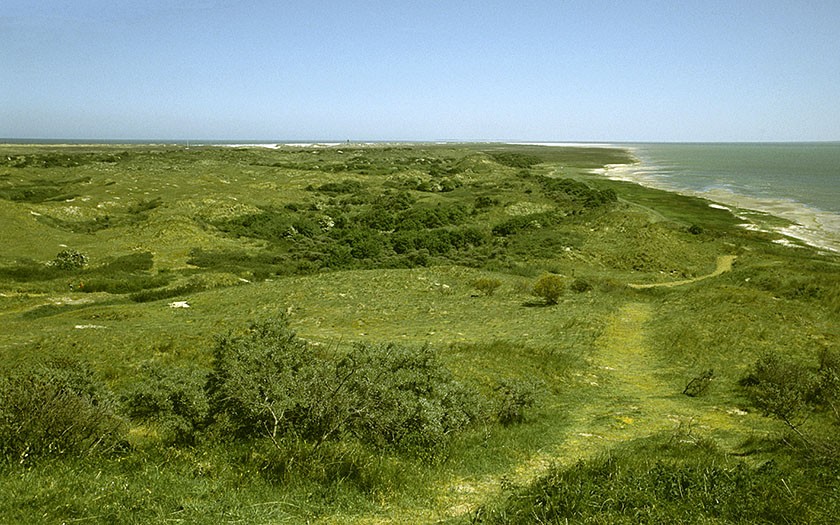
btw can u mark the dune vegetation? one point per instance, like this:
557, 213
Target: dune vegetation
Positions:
402, 333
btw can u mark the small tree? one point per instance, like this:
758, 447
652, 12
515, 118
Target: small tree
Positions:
550, 287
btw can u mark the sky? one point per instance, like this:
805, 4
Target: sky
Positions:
561, 70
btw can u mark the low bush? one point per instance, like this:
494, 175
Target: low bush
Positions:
487, 285
267, 382
549, 287
515, 397
173, 399
54, 409
404, 397
69, 260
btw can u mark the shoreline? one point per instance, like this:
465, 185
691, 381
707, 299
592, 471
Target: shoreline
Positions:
814, 227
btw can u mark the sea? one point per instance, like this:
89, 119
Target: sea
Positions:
798, 182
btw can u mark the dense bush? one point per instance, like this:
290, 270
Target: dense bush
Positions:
344, 186
404, 397
267, 382
515, 397
55, 409
793, 393
487, 285
550, 287
533, 221
173, 399
577, 192
780, 388
69, 260
515, 160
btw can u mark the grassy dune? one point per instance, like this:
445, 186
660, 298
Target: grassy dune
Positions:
123, 269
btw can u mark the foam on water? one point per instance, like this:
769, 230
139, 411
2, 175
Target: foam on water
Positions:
796, 182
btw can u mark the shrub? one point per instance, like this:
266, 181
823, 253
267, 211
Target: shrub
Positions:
581, 285
516, 395
828, 388
780, 388
69, 260
549, 287
171, 398
56, 409
267, 382
403, 397
487, 285
344, 186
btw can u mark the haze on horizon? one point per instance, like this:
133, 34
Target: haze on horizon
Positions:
397, 70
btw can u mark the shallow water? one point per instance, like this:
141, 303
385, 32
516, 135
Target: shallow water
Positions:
799, 182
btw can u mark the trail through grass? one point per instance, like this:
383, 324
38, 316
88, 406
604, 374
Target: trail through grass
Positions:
724, 264
620, 397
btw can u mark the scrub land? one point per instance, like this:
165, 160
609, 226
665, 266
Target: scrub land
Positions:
392, 333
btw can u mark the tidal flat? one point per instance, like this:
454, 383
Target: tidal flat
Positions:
403, 333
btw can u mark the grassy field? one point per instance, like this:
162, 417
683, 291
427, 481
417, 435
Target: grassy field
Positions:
400, 333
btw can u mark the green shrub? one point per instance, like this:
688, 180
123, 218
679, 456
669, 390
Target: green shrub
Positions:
515, 160
69, 260
134, 262
516, 396
54, 409
780, 388
171, 398
344, 186
581, 285
487, 285
404, 397
549, 287
267, 382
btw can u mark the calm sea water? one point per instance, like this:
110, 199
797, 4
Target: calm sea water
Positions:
796, 181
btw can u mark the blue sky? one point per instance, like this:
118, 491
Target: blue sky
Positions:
421, 70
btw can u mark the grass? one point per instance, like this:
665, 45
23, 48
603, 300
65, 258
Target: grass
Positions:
339, 240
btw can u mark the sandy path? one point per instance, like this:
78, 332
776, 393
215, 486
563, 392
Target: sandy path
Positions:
724, 264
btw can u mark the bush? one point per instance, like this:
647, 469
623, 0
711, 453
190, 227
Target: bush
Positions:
267, 382
56, 409
403, 397
171, 398
69, 260
487, 285
780, 388
581, 285
550, 287
517, 395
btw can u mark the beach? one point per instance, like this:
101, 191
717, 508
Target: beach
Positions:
751, 187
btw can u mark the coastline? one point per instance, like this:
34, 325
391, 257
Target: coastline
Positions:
811, 226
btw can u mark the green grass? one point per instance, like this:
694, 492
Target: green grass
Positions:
385, 244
